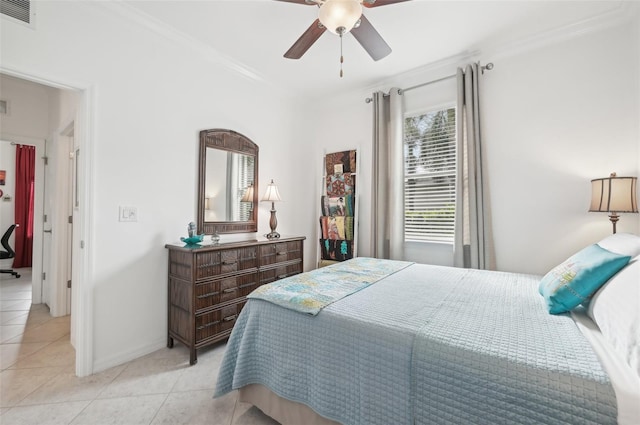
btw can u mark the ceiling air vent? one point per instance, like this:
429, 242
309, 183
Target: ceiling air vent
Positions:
17, 9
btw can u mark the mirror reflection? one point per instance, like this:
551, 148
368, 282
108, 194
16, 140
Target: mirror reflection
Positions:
228, 186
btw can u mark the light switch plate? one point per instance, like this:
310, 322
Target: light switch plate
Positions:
128, 214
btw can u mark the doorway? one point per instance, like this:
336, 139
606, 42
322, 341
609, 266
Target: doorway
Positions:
7, 205
60, 222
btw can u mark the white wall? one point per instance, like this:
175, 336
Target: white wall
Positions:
28, 107
28, 117
351, 126
337, 127
152, 97
554, 117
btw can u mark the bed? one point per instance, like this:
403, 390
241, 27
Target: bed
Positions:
429, 344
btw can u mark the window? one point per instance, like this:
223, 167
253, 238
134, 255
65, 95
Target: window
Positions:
430, 176
245, 179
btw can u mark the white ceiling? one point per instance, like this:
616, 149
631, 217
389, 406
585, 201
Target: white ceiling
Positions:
255, 34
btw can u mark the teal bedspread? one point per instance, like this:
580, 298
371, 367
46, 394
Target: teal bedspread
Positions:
425, 345
311, 292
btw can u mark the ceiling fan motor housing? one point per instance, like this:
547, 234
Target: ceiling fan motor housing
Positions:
340, 16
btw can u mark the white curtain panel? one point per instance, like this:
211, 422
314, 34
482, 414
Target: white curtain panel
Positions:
387, 233
472, 246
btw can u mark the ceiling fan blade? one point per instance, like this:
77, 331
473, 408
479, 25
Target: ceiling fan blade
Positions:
376, 3
305, 2
306, 40
371, 40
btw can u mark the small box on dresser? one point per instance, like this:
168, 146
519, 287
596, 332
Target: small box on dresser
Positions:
208, 284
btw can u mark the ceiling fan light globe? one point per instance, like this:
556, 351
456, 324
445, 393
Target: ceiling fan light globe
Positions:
336, 14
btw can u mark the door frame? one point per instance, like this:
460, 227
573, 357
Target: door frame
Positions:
83, 289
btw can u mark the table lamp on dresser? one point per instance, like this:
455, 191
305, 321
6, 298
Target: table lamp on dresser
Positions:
272, 195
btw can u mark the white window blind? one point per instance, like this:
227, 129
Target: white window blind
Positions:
245, 178
430, 176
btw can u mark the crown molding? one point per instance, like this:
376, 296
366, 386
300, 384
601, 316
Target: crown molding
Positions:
625, 12
169, 32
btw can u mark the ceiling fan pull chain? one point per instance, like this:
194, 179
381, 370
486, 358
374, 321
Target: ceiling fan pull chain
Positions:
341, 56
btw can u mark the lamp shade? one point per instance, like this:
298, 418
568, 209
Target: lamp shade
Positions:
343, 14
248, 194
271, 194
614, 194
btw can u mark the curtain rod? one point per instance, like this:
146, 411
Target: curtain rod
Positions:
487, 67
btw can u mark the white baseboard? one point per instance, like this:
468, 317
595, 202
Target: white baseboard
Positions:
103, 364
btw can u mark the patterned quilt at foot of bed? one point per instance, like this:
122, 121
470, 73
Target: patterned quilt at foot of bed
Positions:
311, 292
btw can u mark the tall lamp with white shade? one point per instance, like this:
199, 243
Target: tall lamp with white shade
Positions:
272, 195
614, 195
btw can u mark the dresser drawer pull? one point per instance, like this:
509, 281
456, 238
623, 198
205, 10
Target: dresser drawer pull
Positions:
210, 294
199, 328
282, 253
230, 318
228, 263
202, 266
282, 276
229, 290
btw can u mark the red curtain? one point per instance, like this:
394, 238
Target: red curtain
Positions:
25, 186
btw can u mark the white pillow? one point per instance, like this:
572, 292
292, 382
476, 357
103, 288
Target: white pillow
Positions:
615, 308
622, 243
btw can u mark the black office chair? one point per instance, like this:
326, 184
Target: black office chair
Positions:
9, 253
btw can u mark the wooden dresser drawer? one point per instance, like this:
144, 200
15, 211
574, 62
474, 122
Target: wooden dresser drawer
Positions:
227, 261
224, 290
217, 322
280, 252
271, 275
209, 283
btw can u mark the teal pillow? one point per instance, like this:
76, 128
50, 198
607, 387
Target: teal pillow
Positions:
574, 281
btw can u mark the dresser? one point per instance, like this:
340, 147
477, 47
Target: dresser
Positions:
208, 284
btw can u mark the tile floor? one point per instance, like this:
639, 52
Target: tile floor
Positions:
38, 384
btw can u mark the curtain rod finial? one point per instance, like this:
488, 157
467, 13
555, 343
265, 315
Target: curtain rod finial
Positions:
488, 67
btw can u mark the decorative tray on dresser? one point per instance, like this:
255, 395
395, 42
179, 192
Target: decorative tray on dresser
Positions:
209, 283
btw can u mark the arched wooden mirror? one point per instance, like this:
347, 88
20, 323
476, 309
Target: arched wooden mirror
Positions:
227, 183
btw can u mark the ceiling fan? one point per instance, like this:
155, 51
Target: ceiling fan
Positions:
341, 17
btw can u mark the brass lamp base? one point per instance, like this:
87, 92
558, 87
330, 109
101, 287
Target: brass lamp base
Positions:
273, 223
